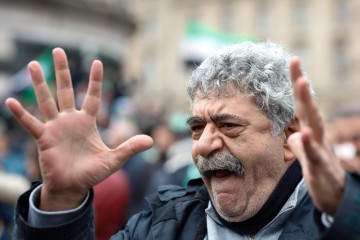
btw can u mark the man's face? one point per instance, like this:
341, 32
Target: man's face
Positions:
233, 129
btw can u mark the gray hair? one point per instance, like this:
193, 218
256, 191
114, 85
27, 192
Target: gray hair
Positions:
259, 69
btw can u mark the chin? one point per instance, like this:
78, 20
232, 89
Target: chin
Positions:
232, 218
227, 213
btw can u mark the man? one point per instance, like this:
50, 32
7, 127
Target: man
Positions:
12, 185
346, 127
246, 143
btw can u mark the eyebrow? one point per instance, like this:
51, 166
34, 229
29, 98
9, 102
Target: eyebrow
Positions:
194, 120
216, 118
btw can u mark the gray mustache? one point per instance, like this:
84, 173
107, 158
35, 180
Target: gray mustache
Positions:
219, 161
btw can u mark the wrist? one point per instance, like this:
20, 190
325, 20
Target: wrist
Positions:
60, 201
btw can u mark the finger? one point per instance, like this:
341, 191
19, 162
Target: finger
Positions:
28, 121
296, 78
311, 148
93, 96
299, 84
295, 69
308, 111
65, 91
46, 102
129, 148
305, 105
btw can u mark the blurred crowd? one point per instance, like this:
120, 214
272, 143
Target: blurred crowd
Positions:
122, 194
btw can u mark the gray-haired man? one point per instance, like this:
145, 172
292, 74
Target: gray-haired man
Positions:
264, 175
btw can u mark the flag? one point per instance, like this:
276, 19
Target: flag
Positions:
21, 83
200, 40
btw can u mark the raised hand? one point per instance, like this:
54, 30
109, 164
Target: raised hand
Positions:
322, 171
72, 155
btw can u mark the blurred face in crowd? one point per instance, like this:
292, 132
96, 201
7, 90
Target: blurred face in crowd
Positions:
33, 171
347, 139
163, 137
240, 160
3, 145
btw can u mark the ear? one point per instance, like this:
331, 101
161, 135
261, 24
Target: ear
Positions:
293, 127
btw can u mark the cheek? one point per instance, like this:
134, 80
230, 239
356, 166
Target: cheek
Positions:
272, 161
243, 148
257, 153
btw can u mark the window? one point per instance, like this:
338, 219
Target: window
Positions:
301, 13
341, 61
341, 11
303, 53
263, 15
227, 16
150, 30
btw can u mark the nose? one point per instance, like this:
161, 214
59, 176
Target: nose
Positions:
209, 142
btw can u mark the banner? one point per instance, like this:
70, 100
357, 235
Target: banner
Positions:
200, 40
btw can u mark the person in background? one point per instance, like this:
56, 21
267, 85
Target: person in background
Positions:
346, 139
112, 196
177, 167
32, 168
164, 138
12, 185
119, 131
111, 202
267, 172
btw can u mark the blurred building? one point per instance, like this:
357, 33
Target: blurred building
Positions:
86, 29
143, 39
325, 34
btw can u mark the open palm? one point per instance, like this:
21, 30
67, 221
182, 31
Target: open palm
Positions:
72, 155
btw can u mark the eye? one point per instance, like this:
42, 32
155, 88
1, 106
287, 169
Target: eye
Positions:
231, 129
228, 125
197, 131
196, 128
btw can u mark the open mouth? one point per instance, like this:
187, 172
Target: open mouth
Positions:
220, 173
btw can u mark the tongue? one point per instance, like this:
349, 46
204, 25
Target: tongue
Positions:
222, 173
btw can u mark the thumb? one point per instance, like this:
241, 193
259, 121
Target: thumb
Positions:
296, 145
131, 147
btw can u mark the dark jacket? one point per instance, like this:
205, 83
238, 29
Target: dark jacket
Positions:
178, 213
